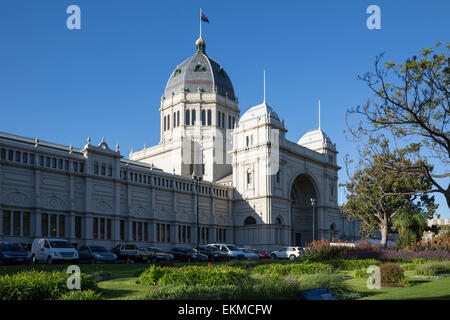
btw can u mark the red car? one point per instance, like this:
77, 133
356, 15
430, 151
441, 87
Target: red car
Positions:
261, 254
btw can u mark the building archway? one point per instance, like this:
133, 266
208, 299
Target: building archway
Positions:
249, 221
302, 191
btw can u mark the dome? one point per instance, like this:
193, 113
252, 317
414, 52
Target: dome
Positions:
200, 72
314, 139
260, 111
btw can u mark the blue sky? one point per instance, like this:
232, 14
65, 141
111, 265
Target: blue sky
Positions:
107, 78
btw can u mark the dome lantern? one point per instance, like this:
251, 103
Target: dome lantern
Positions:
200, 46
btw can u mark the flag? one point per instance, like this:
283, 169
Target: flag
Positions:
204, 18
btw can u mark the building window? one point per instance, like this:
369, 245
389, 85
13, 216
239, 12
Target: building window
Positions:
3, 154
41, 161
249, 177
139, 231
193, 117
103, 170
249, 221
44, 225
168, 122
174, 119
75, 167
247, 141
110, 171
164, 127
178, 118
220, 235
60, 163
31, 159
95, 168
26, 223
6, 223
203, 117
229, 122
278, 176
134, 230
234, 122
81, 167
78, 227
186, 120
16, 223
209, 117
54, 163
145, 231
95, 228
53, 225
17, 156
102, 229
25, 157
66, 165
122, 229
62, 226
108, 228
47, 162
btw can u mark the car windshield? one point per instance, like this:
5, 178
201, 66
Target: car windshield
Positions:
233, 248
190, 250
247, 251
211, 248
130, 247
98, 249
60, 244
11, 247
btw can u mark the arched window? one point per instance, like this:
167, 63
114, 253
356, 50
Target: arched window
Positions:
174, 119
249, 221
187, 116
193, 117
164, 124
209, 117
218, 119
203, 117
178, 118
278, 220
168, 122
223, 120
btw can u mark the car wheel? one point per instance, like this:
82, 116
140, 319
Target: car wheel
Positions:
273, 256
49, 260
291, 257
34, 260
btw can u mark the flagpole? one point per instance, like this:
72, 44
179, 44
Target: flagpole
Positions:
200, 22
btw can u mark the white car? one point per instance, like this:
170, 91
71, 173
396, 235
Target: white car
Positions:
249, 254
231, 250
53, 250
287, 253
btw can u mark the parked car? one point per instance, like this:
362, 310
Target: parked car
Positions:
95, 254
187, 254
147, 255
11, 253
287, 253
213, 253
261, 253
249, 254
232, 251
160, 254
53, 250
127, 252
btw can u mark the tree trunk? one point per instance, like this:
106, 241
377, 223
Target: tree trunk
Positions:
384, 234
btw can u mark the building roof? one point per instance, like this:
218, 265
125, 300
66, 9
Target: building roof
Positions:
260, 111
314, 138
199, 72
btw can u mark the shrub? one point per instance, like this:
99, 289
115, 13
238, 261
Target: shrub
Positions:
193, 275
272, 287
295, 269
191, 292
433, 268
81, 295
391, 273
347, 264
360, 273
396, 255
34, 285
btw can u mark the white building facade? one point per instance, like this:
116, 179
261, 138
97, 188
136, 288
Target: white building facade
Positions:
256, 190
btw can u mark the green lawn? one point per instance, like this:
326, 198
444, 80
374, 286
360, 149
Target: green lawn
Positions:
123, 284
425, 289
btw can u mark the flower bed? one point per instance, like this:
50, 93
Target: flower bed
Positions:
396, 255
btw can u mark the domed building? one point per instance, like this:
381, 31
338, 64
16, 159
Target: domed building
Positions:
258, 189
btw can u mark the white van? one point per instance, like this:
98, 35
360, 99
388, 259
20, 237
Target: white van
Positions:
53, 250
231, 250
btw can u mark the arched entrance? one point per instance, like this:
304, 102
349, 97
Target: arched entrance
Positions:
302, 191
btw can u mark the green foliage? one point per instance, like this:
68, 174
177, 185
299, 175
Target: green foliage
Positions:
360, 273
351, 264
34, 285
391, 273
332, 281
81, 295
193, 275
294, 269
433, 268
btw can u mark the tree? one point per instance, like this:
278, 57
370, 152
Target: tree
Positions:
411, 222
376, 196
411, 101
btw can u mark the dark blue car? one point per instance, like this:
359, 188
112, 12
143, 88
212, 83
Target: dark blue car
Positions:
11, 253
96, 254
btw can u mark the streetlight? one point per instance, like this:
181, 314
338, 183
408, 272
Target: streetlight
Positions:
197, 180
313, 204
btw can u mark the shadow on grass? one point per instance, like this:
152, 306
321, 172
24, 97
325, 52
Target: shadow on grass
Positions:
117, 294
